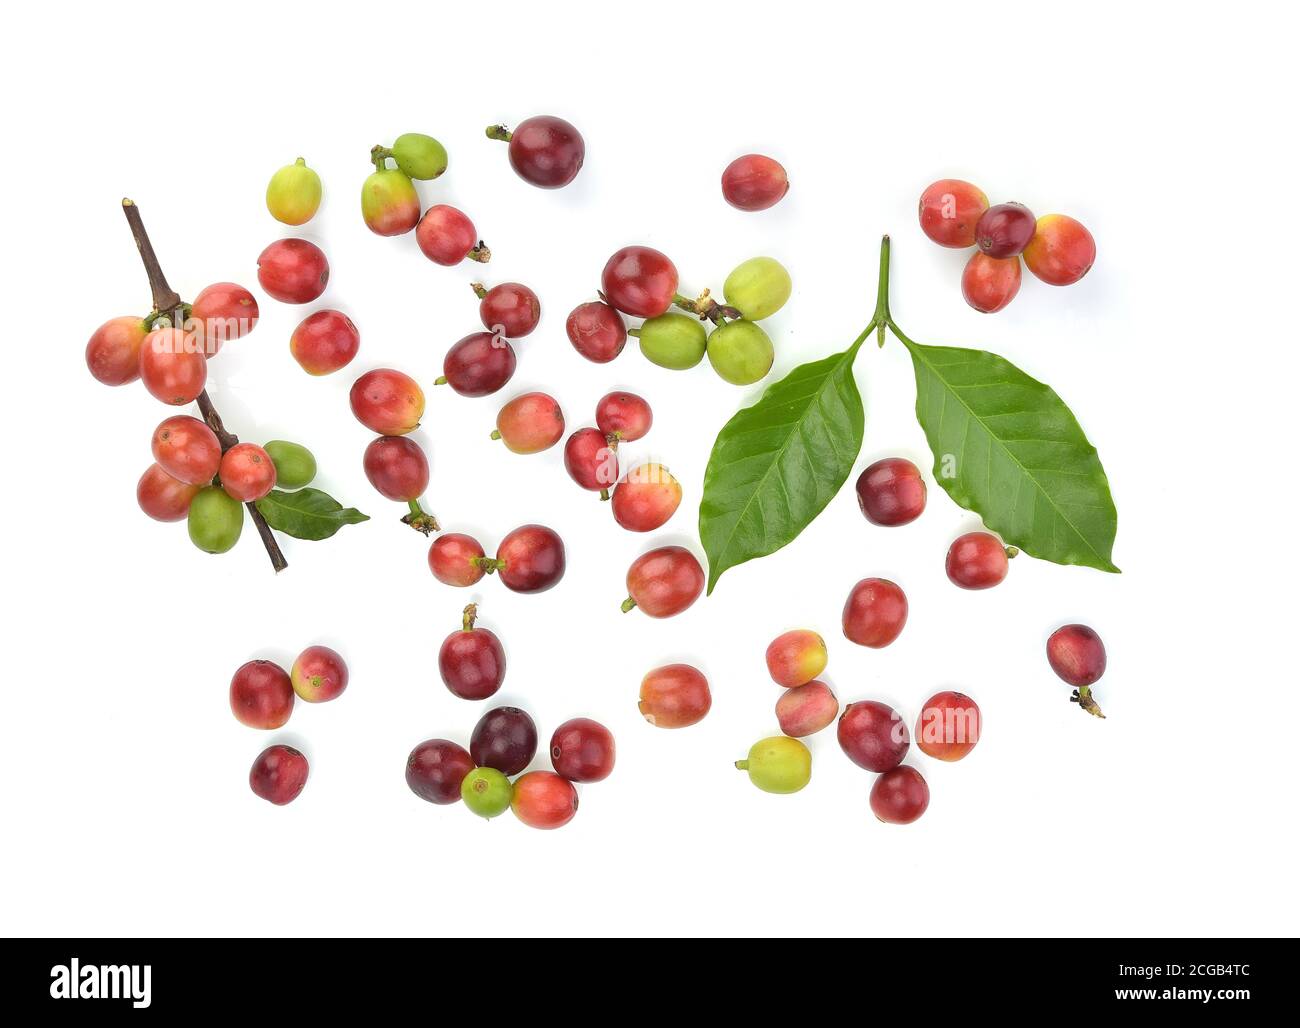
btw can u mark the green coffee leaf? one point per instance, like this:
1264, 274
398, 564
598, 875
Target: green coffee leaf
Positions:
307, 513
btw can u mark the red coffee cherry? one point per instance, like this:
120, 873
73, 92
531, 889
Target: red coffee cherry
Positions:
875, 613
977, 560
891, 492
754, 182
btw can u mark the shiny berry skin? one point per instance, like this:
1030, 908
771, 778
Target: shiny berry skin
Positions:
278, 774
806, 709
453, 559
397, 468
949, 211
436, 768
293, 270
472, 661
387, 401
674, 696
215, 520
530, 423
247, 472
547, 151
511, 309
778, 764
640, 281
625, 416
597, 331
162, 497
478, 365
319, 674
486, 792
740, 352
1004, 230
664, 582
324, 342
446, 236
754, 182
646, 498
590, 460
504, 738
949, 726
872, 735
187, 449
891, 492
295, 466
221, 312
989, 283
1077, 655
390, 206
531, 559
875, 613
976, 560
293, 194
899, 796
1061, 251
582, 750
673, 341
419, 156
542, 799
113, 352
758, 288
171, 366
795, 658
261, 695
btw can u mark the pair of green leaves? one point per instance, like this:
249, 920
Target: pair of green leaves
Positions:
307, 513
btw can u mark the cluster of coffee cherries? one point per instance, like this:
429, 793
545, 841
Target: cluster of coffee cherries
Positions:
391, 403
530, 559
262, 696
481, 363
1055, 247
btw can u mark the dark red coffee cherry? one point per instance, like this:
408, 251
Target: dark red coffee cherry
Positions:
530, 559
900, 796
436, 768
977, 560
640, 281
597, 331
511, 309
1077, 655
278, 774
873, 735
478, 365
582, 750
472, 661
505, 738
1004, 230
591, 461
623, 416
891, 492
546, 151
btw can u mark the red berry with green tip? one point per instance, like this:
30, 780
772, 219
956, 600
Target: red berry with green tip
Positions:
453, 559
319, 674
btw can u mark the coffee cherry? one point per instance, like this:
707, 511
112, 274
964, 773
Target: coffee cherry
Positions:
478, 365
278, 774
171, 367
597, 331
674, 696
1077, 655
113, 352
977, 560
875, 613
447, 237
293, 194
397, 468
1061, 250
891, 492
757, 288
544, 800
1004, 230
625, 417
436, 769
453, 559
591, 461
740, 352
319, 674
673, 341
419, 156
646, 498
639, 281
295, 467
872, 735
899, 796
293, 270
387, 401
754, 182
988, 284
221, 312
545, 151
582, 750
509, 309
472, 661
247, 472
949, 211
806, 709
530, 559
486, 792
186, 449
216, 520
664, 582
261, 695
778, 764
530, 423
324, 342
795, 658
505, 738
162, 497
389, 203
949, 726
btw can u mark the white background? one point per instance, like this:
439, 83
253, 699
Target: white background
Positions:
125, 808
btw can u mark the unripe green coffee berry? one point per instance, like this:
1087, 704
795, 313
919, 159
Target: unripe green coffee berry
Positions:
675, 341
487, 792
758, 288
420, 156
295, 466
740, 352
293, 194
779, 764
215, 520
389, 203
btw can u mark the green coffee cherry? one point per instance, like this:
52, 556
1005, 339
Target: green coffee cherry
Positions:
420, 156
779, 764
215, 520
389, 203
293, 194
295, 467
740, 352
758, 288
486, 791
675, 341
